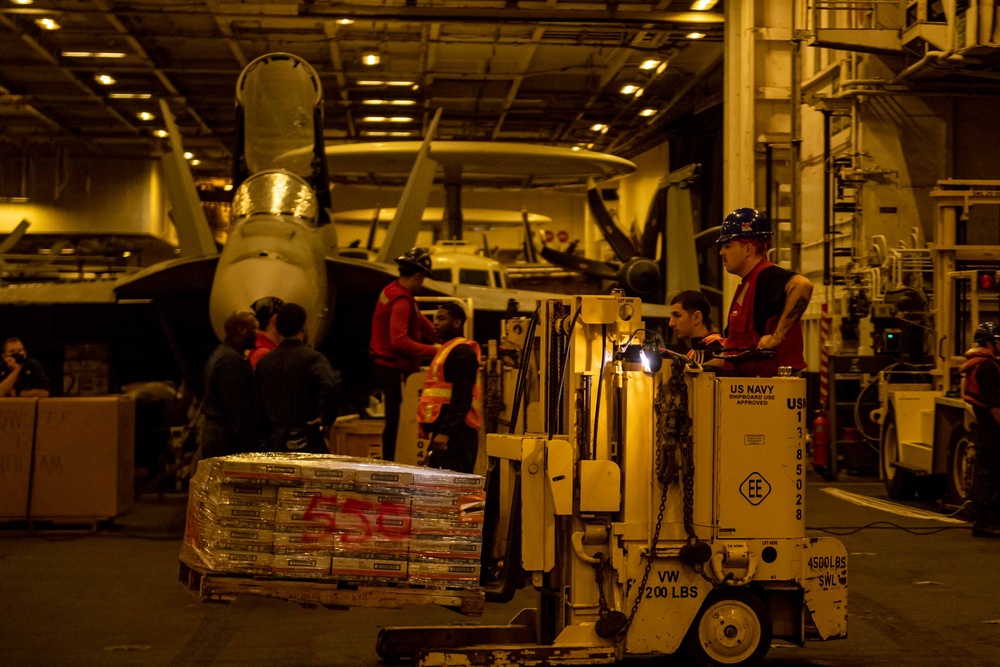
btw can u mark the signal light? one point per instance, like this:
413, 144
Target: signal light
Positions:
986, 280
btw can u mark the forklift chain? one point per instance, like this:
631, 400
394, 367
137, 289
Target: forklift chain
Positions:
671, 415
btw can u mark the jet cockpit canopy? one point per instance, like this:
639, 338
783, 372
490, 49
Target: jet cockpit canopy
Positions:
276, 192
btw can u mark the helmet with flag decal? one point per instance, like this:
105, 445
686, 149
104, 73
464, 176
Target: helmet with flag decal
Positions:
745, 223
415, 260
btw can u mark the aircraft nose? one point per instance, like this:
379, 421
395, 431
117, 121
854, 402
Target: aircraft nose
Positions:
240, 283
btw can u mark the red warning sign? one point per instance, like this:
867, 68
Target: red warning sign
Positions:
563, 236
549, 236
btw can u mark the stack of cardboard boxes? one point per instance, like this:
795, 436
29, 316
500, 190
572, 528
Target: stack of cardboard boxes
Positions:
66, 458
334, 517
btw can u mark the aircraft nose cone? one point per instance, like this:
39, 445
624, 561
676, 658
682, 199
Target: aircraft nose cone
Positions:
239, 284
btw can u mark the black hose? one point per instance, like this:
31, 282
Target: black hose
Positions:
562, 372
600, 385
522, 371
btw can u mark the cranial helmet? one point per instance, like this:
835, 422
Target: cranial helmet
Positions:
418, 259
265, 308
745, 223
986, 333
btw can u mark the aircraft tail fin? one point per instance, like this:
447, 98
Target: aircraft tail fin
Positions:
193, 233
409, 212
15, 235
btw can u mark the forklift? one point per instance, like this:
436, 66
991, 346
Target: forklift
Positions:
657, 507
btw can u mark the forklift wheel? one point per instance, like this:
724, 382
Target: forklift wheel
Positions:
732, 628
383, 650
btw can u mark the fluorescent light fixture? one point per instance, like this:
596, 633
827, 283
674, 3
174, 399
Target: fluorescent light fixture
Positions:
371, 58
345, 21
380, 82
695, 35
188, 155
93, 54
395, 103
13, 200
402, 83
130, 96
229, 186
577, 148
650, 63
22, 2
387, 119
647, 112
162, 134
104, 79
47, 24
703, 5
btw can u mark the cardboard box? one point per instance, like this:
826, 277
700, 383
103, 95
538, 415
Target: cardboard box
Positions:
357, 437
17, 429
84, 457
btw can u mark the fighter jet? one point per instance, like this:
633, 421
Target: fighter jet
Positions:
281, 242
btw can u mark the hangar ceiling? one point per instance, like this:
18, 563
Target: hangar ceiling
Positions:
503, 70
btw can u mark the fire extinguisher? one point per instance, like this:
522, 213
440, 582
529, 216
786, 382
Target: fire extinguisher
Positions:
821, 441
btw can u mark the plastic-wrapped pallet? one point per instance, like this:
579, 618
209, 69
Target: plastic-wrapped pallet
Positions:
334, 517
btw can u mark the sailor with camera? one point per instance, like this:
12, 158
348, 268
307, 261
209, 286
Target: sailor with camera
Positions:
19, 375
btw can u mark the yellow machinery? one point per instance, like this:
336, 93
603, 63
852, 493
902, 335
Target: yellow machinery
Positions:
654, 511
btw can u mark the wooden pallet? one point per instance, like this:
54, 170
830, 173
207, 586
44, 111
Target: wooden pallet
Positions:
216, 587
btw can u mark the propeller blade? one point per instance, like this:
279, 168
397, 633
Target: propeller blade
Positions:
655, 223
530, 256
588, 267
621, 245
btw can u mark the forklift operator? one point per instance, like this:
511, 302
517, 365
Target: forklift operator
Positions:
769, 301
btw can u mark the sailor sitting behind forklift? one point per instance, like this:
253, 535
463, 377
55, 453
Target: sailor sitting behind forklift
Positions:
450, 407
770, 300
296, 388
981, 389
398, 334
691, 321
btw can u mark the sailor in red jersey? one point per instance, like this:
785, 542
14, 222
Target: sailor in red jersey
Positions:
401, 337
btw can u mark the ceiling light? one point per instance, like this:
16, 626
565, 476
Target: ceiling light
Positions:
371, 58
22, 2
577, 148
649, 63
229, 186
129, 96
384, 119
345, 21
703, 5
104, 79
695, 35
127, 253
402, 83
396, 103
647, 112
93, 54
630, 89
188, 155
162, 134
145, 115
195, 163
599, 127
47, 24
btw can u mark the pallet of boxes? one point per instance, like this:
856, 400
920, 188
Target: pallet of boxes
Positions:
335, 531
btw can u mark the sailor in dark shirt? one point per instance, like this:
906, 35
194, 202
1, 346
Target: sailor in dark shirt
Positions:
231, 418
296, 388
19, 375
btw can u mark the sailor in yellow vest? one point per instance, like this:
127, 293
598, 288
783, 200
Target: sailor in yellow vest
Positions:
450, 408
